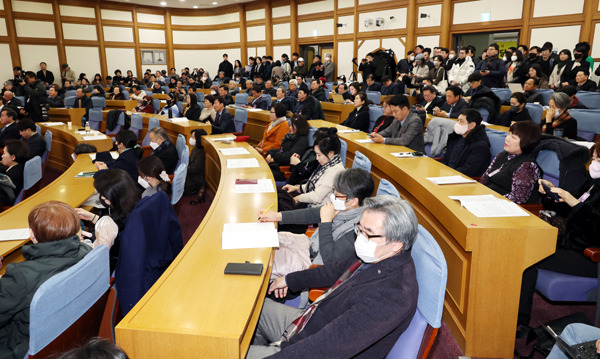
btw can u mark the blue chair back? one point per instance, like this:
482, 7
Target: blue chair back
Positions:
241, 99
536, 111
38, 129
496, 141
432, 275
311, 134
374, 113
286, 85
590, 100
361, 161
502, 93
240, 119
70, 93
99, 102
48, 141
165, 89
546, 94
200, 96
178, 183
126, 94
70, 101
180, 107
588, 122
549, 163
119, 126
136, 124
484, 113
143, 87
329, 86
180, 144
95, 119
374, 96
152, 122
386, 187
32, 174
268, 98
65, 297
343, 150
155, 105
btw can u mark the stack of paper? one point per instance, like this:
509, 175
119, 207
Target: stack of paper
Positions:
94, 137
365, 140
261, 186
223, 139
249, 235
242, 163
253, 109
407, 154
489, 206
85, 174
178, 120
450, 180
14, 234
52, 123
348, 131
234, 151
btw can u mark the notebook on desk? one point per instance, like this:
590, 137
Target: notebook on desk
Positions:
338, 99
515, 87
585, 350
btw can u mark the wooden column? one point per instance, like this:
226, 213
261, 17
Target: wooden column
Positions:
589, 8
62, 54
100, 32
355, 33
11, 31
268, 28
335, 37
136, 40
294, 25
411, 25
169, 38
526, 17
243, 35
445, 40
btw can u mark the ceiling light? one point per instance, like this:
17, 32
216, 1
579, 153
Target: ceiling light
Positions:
163, 3
214, 3
195, 6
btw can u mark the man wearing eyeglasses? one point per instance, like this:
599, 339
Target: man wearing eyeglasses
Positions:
369, 304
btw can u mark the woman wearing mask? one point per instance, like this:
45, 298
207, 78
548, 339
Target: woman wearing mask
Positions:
195, 182
558, 121
152, 176
516, 69
517, 111
578, 219
208, 113
204, 82
170, 108
146, 106
359, 118
557, 77
579, 62
438, 73
192, 111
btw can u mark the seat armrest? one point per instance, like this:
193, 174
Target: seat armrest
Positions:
593, 254
147, 151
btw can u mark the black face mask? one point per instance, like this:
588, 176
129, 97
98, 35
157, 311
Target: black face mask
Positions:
532, 56
103, 202
145, 103
578, 56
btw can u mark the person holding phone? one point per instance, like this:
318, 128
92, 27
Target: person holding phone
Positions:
577, 216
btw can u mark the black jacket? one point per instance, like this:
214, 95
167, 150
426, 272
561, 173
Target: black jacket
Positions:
483, 97
570, 73
193, 113
224, 124
291, 143
57, 101
358, 119
35, 96
9, 132
393, 89
127, 161
36, 145
474, 156
458, 107
49, 77
509, 116
304, 108
260, 103
437, 102
15, 173
86, 103
196, 173
319, 94
167, 154
289, 102
226, 67
589, 85
376, 86
533, 96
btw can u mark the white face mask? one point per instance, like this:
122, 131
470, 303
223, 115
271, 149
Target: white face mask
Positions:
451, 56
460, 129
513, 58
436, 63
595, 169
504, 58
340, 82
328, 59
412, 58
338, 204
74, 157
213, 92
556, 113
365, 249
154, 145
143, 182
192, 141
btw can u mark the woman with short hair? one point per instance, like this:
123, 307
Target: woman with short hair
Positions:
558, 119
359, 118
14, 157
208, 113
276, 131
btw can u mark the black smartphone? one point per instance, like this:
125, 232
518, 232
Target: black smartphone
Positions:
549, 193
244, 268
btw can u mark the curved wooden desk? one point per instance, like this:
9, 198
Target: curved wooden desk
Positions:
258, 121
486, 256
194, 310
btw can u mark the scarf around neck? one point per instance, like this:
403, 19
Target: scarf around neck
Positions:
320, 171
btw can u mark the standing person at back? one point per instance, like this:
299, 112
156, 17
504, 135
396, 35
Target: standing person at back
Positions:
46, 76
492, 68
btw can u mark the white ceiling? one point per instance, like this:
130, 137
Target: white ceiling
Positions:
183, 4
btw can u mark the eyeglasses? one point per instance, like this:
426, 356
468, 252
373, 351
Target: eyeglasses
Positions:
358, 230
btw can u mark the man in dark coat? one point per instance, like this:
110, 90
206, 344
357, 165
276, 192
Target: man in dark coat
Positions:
47, 77
35, 93
34, 140
480, 96
9, 131
223, 120
226, 67
82, 101
492, 68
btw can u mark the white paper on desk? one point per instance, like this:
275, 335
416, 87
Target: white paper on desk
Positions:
113, 154
52, 123
178, 120
234, 151
249, 235
93, 138
365, 140
263, 186
14, 234
486, 206
450, 180
485, 123
586, 144
253, 109
223, 139
405, 155
242, 163
91, 133
348, 131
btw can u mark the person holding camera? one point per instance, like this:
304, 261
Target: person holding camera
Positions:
367, 66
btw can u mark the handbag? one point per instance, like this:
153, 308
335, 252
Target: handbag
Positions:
442, 85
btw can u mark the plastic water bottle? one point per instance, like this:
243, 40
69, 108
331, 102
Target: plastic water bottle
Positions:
87, 127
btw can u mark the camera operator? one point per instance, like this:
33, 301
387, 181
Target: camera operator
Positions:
367, 66
404, 68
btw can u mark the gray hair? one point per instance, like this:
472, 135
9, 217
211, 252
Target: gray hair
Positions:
561, 100
293, 82
160, 132
354, 183
400, 224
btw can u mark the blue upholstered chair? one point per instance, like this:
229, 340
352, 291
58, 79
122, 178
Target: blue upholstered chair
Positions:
64, 298
361, 161
240, 119
136, 124
118, 127
241, 99
588, 122
374, 113
374, 96
126, 94
343, 150
180, 145
200, 96
48, 141
546, 94
152, 122
502, 93
69, 93
589, 99
32, 174
311, 134
536, 111
99, 102
178, 183
95, 119
155, 105
432, 274
268, 98
484, 113
180, 107
386, 187
70, 101
165, 89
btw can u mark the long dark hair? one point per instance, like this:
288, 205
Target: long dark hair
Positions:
117, 186
153, 166
129, 140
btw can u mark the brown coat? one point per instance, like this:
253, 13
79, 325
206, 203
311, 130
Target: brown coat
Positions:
272, 139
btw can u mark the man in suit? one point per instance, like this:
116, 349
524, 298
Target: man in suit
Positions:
82, 101
431, 100
454, 103
10, 130
407, 130
9, 99
224, 92
233, 89
304, 106
257, 100
370, 84
223, 120
288, 101
388, 87
34, 140
54, 98
371, 301
329, 68
47, 77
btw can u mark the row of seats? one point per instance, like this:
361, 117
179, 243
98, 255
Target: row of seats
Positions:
589, 99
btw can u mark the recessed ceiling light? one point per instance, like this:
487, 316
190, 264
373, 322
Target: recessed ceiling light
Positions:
214, 3
195, 6
163, 3
182, 0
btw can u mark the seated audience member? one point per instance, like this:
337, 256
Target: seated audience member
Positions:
269, 89
559, 118
195, 182
388, 87
85, 85
516, 69
578, 217
514, 172
137, 94
492, 69
98, 91
9, 131
232, 88
12, 165
275, 132
55, 233
480, 96
55, 99
385, 234
342, 89
258, 83
208, 112
68, 86
157, 88
359, 118
172, 82
334, 239
108, 82
316, 191
249, 85
437, 72
192, 111
163, 148
385, 120
583, 82
83, 148
152, 176
530, 91
129, 154
304, 106
454, 103
370, 84
535, 72
292, 89
35, 142
468, 147
294, 142
257, 101
557, 76
170, 109
224, 92
287, 101
407, 130
353, 88
461, 69
573, 334
96, 348
223, 122
117, 94
570, 90
517, 111
430, 100
82, 101
146, 106
317, 91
